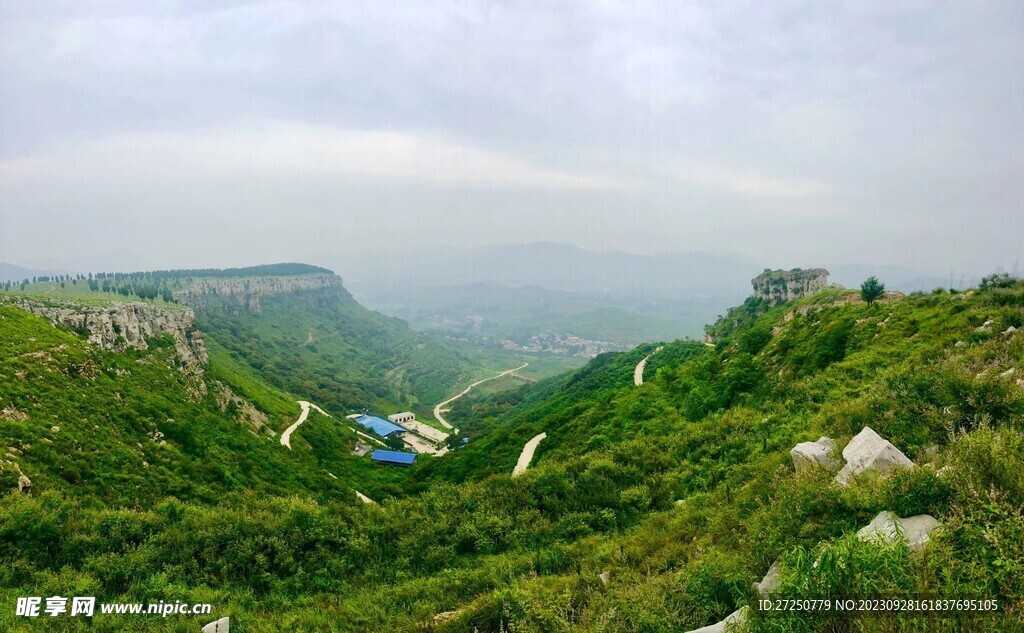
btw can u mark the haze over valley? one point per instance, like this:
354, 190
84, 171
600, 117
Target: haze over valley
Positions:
467, 316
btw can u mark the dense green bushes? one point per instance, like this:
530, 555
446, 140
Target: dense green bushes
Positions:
326, 347
681, 489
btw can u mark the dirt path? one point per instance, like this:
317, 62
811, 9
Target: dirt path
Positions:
369, 437
438, 410
638, 373
364, 498
527, 455
306, 406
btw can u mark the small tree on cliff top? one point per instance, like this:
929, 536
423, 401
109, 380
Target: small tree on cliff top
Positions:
871, 289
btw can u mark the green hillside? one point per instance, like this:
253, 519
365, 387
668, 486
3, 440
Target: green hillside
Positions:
294, 325
324, 345
129, 428
681, 490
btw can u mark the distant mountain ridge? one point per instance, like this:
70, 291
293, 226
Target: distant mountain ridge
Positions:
520, 290
555, 266
12, 272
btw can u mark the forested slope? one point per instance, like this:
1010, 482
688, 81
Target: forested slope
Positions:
130, 428
323, 344
294, 326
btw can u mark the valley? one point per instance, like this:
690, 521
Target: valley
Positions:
511, 317
439, 408
204, 439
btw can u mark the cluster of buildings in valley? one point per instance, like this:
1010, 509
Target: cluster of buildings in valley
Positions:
492, 333
416, 436
563, 344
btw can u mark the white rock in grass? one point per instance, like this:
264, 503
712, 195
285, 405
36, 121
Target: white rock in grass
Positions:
1008, 373
770, 582
218, 626
735, 621
915, 531
808, 456
868, 452
447, 615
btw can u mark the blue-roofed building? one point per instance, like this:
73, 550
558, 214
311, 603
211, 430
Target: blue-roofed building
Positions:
379, 426
395, 458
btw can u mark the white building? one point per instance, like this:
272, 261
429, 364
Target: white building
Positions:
399, 418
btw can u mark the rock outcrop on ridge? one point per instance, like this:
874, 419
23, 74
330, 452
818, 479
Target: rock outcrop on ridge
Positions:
779, 286
120, 325
248, 291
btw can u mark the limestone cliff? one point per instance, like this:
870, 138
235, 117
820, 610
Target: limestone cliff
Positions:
119, 325
778, 286
247, 291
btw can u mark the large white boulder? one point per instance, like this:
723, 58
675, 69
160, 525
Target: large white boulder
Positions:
868, 452
217, 626
808, 456
735, 621
915, 530
770, 582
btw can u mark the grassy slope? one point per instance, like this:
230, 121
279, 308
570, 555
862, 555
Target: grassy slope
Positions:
357, 359
713, 431
89, 423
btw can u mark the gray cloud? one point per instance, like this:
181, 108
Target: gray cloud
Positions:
196, 133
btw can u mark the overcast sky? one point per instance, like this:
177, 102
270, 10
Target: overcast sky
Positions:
199, 133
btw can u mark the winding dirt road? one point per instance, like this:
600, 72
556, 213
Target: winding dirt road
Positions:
438, 410
306, 406
638, 373
527, 455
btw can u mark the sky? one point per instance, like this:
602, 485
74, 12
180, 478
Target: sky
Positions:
193, 133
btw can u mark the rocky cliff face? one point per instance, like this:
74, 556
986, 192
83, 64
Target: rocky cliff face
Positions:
120, 325
778, 286
247, 291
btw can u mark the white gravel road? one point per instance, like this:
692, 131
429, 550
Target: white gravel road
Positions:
527, 455
638, 373
440, 407
306, 406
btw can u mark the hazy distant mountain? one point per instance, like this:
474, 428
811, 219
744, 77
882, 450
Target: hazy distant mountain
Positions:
626, 297
557, 267
899, 278
109, 260
518, 290
11, 272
